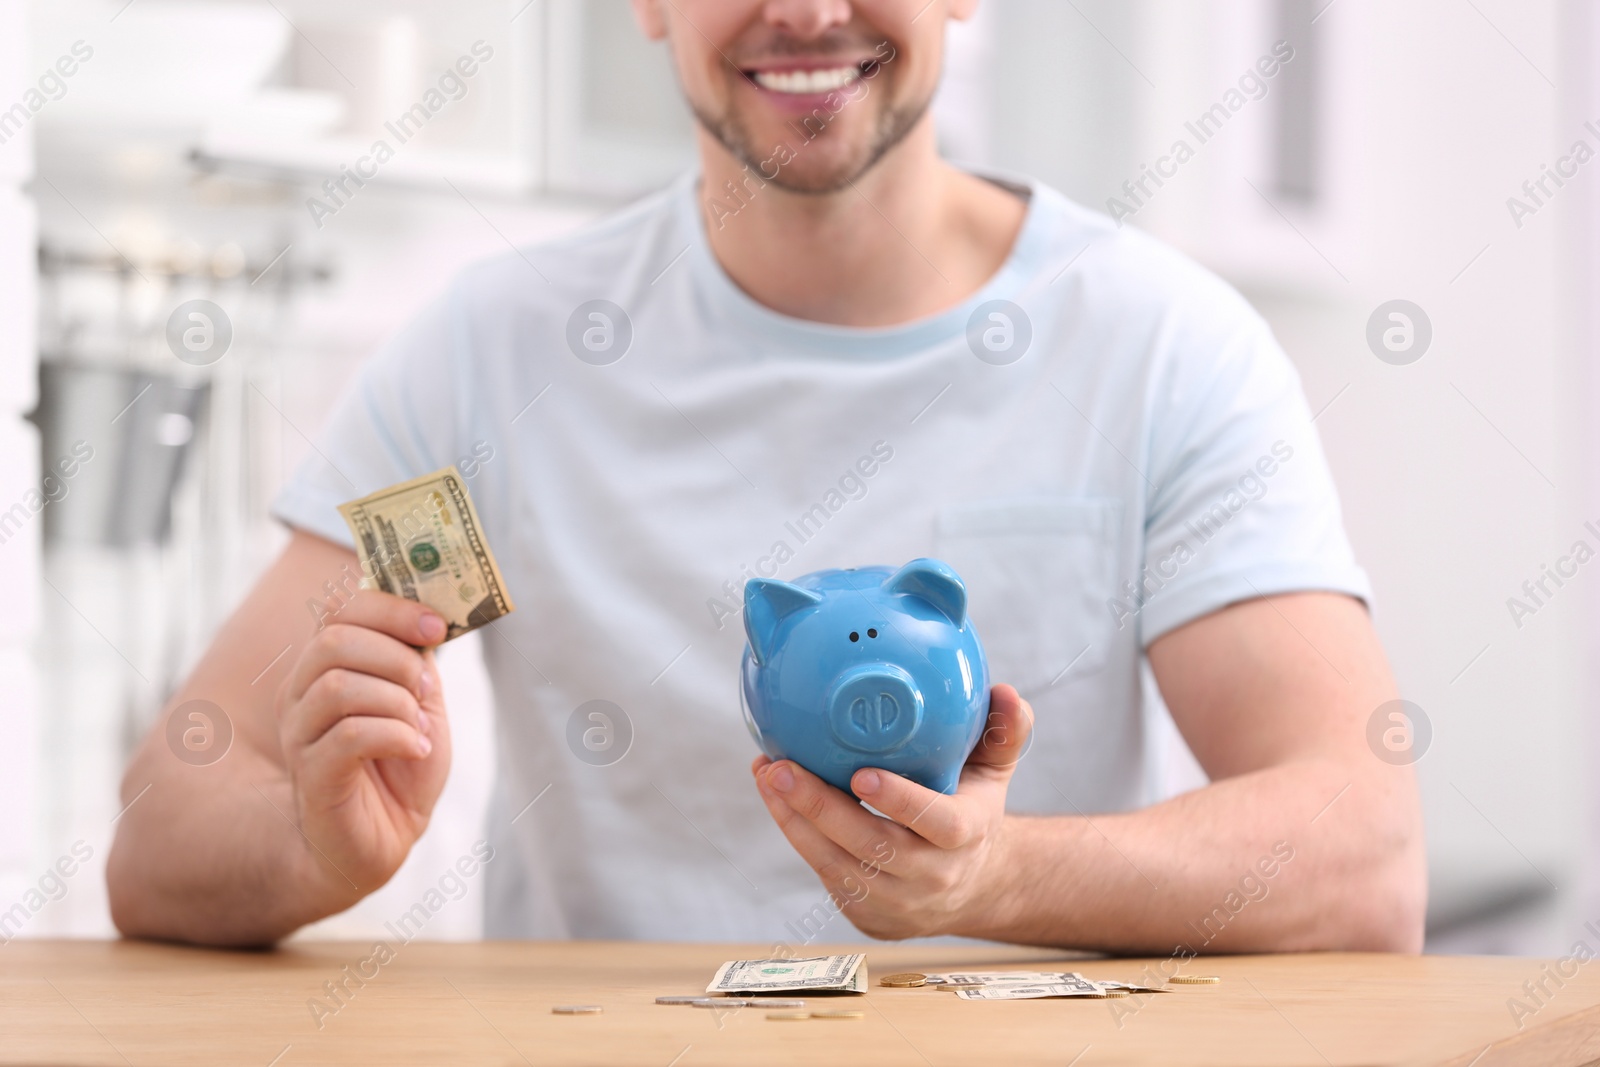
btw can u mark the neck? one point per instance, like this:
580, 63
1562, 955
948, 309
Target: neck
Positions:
912, 237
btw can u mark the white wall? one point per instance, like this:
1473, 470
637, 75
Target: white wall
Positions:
1581, 291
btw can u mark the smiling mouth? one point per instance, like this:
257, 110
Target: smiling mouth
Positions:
810, 82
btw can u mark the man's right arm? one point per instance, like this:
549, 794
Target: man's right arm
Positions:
341, 746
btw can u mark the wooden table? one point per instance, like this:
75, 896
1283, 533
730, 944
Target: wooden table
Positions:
90, 1002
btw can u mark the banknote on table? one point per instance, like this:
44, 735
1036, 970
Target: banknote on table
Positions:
1028, 985
815, 974
422, 540
1131, 987
997, 977
1063, 985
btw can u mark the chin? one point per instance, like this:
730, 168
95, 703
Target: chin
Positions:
796, 155
822, 176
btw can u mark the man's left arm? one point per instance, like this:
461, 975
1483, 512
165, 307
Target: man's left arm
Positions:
1303, 840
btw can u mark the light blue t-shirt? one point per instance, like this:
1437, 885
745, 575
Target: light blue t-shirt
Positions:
1130, 452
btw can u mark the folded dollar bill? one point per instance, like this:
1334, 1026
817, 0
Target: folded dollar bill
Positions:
1132, 987
1067, 985
816, 974
998, 977
422, 540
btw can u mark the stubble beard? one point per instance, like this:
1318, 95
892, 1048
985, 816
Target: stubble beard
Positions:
892, 126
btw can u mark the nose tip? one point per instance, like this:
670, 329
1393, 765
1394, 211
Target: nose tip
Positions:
874, 708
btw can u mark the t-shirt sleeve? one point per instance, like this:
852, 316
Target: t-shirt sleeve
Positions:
1242, 503
398, 419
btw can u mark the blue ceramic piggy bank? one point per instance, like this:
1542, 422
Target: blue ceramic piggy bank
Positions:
869, 667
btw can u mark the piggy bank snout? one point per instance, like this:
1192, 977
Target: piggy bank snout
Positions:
875, 707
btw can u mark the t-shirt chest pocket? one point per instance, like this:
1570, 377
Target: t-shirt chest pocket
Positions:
1039, 573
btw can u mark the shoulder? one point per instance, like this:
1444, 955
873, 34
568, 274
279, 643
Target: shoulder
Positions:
1150, 318
1121, 275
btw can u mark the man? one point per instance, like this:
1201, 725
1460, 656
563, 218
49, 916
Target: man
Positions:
828, 348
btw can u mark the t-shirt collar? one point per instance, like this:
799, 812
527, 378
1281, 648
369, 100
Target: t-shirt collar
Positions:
805, 337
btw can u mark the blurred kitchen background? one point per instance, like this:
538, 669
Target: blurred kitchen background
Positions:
176, 162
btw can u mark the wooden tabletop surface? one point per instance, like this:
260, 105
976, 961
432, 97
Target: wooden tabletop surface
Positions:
92, 1002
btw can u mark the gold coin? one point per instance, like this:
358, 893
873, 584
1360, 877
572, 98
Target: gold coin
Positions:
908, 979
1194, 979
577, 1009
839, 1013
787, 1016
1118, 993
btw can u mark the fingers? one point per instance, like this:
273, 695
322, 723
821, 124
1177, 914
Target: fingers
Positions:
1005, 735
945, 821
364, 737
796, 796
404, 620
840, 869
338, 695
840, 873
358, 648
953, 821
364, 665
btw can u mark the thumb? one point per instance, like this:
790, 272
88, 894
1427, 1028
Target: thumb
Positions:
1005, 735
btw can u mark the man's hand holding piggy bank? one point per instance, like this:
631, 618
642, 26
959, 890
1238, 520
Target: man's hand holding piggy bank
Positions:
872, 682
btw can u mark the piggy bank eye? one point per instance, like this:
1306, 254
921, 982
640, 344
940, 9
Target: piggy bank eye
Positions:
854, 636
872, 633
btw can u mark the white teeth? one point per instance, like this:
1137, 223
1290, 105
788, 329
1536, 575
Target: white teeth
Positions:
807, 81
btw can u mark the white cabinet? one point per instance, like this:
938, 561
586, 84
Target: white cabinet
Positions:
504, 97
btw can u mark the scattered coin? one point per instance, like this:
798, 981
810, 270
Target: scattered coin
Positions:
1118, 993
958, 985
785, 1016
726, 1002
680, 1000
764, 1002
1194, 979
838, 1013
577, 1009
908, 979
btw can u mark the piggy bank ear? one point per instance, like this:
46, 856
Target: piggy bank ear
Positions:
767, 602
934, 582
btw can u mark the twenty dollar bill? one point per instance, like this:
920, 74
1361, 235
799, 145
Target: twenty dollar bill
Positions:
422, 540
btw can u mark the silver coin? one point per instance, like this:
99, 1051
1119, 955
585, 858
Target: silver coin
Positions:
577, 1009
